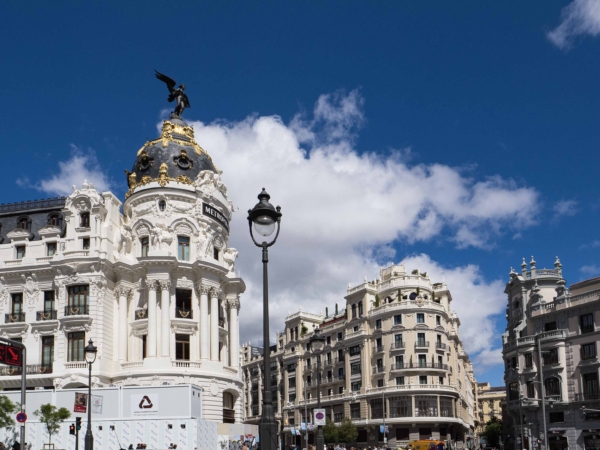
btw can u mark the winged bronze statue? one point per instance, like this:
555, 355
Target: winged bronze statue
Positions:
175, 94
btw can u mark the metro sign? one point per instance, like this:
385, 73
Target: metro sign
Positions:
10, 355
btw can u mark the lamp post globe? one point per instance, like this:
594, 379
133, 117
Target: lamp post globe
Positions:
266, 218
90, 352
317, 343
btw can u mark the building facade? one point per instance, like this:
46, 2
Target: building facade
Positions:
150, 280
489, 404
545, 318
393, 350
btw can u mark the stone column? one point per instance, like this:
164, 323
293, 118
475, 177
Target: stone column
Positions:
214, 324
123, 294
204, 326
234, 332
165, 302
153, 286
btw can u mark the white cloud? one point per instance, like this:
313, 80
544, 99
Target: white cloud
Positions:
82, 165
593, 244
591, 270
344, 210
580, 17
565, 208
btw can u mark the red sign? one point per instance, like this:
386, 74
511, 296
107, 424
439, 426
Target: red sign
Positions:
21, 417
80, 402
10, 355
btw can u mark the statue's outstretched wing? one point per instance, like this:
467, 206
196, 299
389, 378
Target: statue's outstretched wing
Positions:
170, 82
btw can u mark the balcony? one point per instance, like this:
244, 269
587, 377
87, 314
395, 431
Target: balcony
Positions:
338, 417
35, 369
378, 369
378, 349
328, 362
79, 310
341, 360
14, 318
141, 314
42, 316
441, 346
182, 313
421, 344
421, 365
591, 395
398, 346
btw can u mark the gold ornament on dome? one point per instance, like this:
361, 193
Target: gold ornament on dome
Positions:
162, 180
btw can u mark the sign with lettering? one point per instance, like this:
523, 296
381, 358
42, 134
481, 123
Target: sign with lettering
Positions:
10, 355
215, 214
81, 401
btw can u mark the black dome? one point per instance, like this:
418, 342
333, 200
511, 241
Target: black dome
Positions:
177, 149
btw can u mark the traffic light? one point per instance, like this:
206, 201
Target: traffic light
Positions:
78, 423
72, 429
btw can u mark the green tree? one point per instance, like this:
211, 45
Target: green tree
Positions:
330, 432
7, 408
347, 432
493, 431
52, 417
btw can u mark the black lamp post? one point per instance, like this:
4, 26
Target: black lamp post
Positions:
90, 356
265, 218
317, 342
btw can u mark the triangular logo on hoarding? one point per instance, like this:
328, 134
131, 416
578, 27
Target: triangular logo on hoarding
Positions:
146, 403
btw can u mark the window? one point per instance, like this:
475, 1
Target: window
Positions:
438, 320
143, 346
54, 220
355, 410
355, 368
513, 391
360, 309
183, 304
514, 363
399, 381
401, 407
422, 379
145, 243
162, 205
550, 357
402, 434
292, 397
183, 249
85, 243
48, 312
379, 344
412, 296
20, 251
380, 382
440, 380
586, 321
291, 368
421, 339
552, 387
550, 326
590, 386
425, 406
78, 296
376, 408
339, 336
328, 341
399, 362
446, 407
24, 223
76, 344
530, 389
398, 319
398, 341
215, 253
84, 220
341, 372
355, 386
182, 347
422, 361
292, 382
340, 355
588, 351
556, 417
378, 324
47, 351
528, 360
420, 318
340, 389
355, 329
51, 248
17, 304
355, 350
354, 311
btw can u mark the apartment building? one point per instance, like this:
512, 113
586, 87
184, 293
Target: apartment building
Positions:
489, 404
393, 350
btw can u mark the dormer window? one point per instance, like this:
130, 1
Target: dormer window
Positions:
20, 251
84, 220
24, 223
216, 253
54, 220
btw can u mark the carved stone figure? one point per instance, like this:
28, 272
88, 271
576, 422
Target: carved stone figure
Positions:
123, 240
162, 237
229, 257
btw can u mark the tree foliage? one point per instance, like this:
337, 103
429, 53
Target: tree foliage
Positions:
493, 431
347, 431
330, 432
52, 417
7, 408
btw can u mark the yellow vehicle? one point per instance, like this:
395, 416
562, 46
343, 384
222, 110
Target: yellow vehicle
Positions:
429, 444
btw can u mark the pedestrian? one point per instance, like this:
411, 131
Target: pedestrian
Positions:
16, 446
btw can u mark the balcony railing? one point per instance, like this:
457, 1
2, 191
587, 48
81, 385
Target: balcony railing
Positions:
550, 359
421, 344
141, 314
34, 369
441, 346
378, 349
14, 318
397, 345
592, 395
182, 313
355, 371
338, 417
339, 360
421, 365
328, 362
40, 316
378, 369
79, 310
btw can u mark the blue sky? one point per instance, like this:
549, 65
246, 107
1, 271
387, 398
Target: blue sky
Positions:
496, 100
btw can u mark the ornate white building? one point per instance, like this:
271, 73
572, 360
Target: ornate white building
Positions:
151, 280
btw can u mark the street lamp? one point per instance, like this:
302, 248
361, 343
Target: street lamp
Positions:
90, 357
265, 218
317, 342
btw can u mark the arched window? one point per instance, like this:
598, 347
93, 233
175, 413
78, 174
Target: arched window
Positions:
183, 250
413, 295
84, 220
54, 220
24, 223
228, 408
360, 309
552, 387
353, 311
